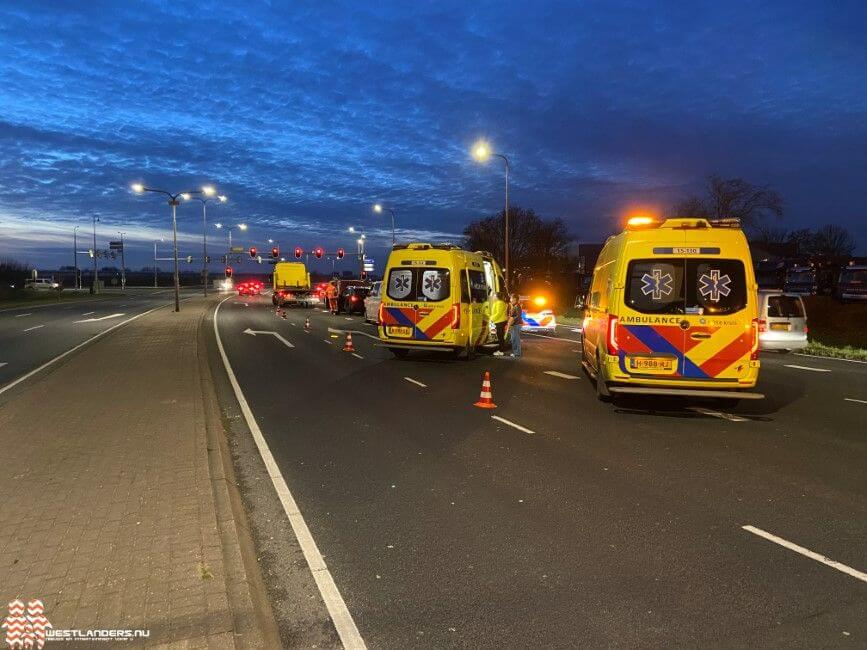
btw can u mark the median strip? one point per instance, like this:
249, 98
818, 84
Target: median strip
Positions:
859, 575
512, 424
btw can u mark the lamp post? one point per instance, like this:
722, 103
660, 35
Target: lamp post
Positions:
93, 288
377, 207
122, 263
210, 194
360, 249
138, 188
482, 153
75, 281
240, 226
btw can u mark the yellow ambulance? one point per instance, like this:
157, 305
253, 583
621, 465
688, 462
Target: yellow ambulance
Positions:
672, 310
437, 297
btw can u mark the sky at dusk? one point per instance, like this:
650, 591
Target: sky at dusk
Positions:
305, 114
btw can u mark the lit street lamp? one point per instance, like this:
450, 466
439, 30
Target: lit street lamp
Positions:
210, 195
360, 249
138, 188
482, 153
240, 226
377, 207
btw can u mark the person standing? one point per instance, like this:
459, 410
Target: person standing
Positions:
499, 317
516, 320
332, 296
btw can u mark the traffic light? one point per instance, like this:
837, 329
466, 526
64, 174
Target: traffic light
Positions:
228, 271
253, 252
298, 252
340, 253
318, 252
275, 252
364, 275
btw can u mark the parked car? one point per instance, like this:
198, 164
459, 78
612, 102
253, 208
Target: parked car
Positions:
351, 299
782, 321
372, 302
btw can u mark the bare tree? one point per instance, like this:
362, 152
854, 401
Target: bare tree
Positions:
732, 198
833, 241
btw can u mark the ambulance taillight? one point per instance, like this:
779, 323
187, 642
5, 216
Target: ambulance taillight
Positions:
757, 326
456, 316
613, 348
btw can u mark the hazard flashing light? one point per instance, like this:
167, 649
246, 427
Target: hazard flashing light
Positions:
641, 222
540, 301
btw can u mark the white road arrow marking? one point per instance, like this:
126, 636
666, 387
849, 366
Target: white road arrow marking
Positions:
275, 334
93, 320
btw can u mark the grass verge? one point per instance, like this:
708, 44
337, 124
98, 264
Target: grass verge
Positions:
841, 352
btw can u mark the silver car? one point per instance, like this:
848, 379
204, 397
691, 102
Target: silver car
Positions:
782, 321
371, 303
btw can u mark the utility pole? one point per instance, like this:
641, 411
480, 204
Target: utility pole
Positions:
122, 264
94, 286
173, 201
76, 281
155, 264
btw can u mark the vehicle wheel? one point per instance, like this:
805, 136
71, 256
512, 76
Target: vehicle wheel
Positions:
400, 353
602, 392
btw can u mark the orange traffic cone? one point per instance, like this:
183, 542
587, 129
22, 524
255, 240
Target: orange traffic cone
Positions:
307, 323
348, 347
485, 399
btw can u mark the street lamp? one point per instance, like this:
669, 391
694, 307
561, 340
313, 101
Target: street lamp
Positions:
155, 261
76, 282
240, 226
122, 263
360, 249
377, 207
210, 195
482, 153
138, 188
94, 287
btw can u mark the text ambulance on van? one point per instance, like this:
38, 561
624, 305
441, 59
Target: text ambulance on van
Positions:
672, 310
437, 297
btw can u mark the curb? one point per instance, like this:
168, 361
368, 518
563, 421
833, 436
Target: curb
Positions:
254, 623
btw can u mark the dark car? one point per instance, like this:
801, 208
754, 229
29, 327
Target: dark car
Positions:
351, 299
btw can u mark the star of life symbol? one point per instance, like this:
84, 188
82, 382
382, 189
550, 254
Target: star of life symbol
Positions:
432, 284
26, 631
401, 283
713, 286
656, 285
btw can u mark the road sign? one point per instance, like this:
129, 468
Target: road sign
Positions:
236, 249
115, 245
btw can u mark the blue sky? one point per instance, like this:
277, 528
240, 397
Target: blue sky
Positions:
304, 114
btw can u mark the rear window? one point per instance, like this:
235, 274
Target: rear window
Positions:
785, 307
419, 285
686, 286
800, 276
854, 276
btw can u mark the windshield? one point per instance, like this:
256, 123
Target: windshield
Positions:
419, 285
799, 276
691, 286
854, 276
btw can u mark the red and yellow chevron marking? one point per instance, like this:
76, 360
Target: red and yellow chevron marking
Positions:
426, 322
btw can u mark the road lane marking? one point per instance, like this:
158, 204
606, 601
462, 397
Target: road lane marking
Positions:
35, 327
327, 341
807, 553
334, 330
337, 609
88, 313
858, 401
417, 383
293, 324
512, 424
274, 334
73, 349
796, 367
717, 414
561, 375
3, 363
94, 320
29, 313
819, 356
357, 356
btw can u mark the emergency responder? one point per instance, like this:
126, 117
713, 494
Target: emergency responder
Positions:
499, 318
331, 293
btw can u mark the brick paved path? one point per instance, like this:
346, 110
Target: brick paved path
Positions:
108, 511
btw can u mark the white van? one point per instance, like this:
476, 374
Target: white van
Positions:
371, 303
782, 321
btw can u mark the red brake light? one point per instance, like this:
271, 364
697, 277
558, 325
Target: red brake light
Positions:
354, 298
762, 324
456, 316
806, 330
613, 348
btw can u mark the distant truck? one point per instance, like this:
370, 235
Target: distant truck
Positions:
852, 283
801, 279
291, 283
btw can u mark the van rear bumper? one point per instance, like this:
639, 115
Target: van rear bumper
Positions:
684, 392
433, 347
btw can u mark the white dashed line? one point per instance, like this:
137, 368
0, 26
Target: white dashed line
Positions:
807, 553
88, 313
561, 375
416, 382
293, 324
512, 424
35, 327
327, 341
3, 363
347, 318
790, 365
29, 313
857, 401
357, 356
717, 414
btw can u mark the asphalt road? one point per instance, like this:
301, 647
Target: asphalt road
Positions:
569, 522
31, 335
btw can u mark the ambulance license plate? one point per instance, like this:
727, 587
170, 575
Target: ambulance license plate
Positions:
780, 327
653, 365
400, 331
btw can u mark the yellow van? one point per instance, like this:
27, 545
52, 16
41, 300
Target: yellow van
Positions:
437, 297
672, 310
